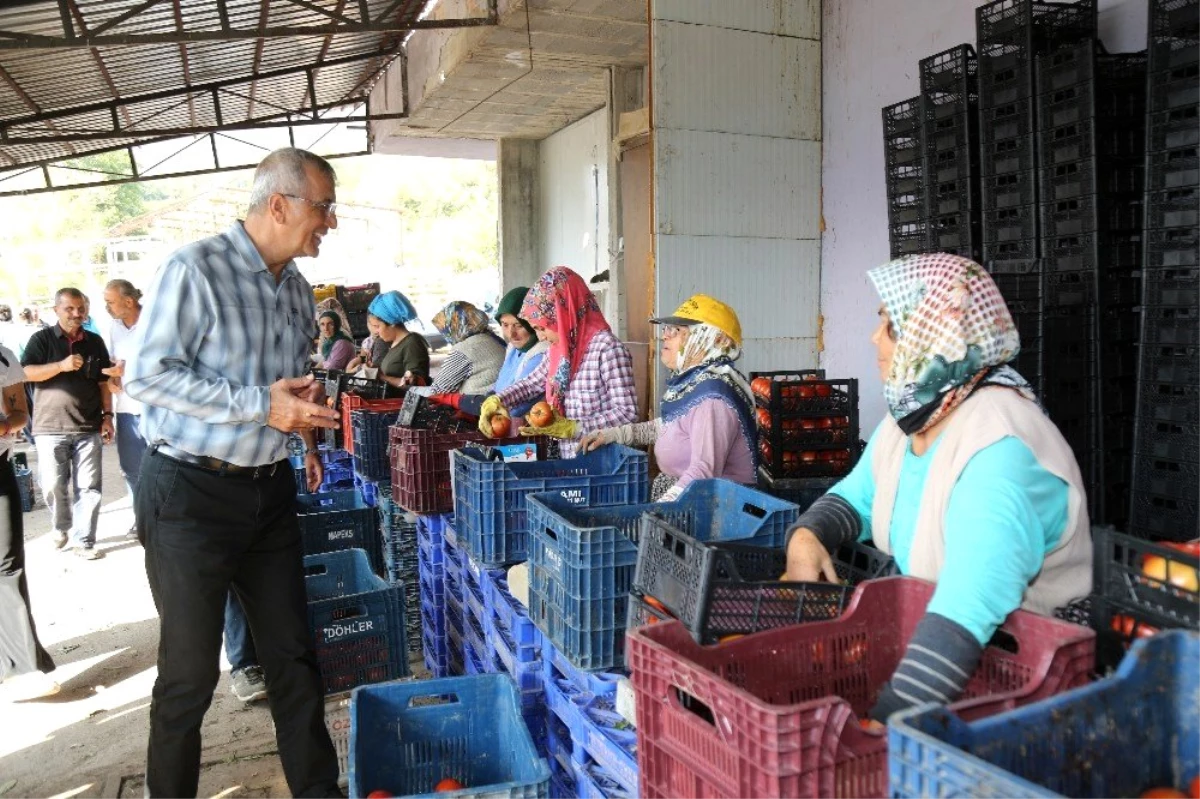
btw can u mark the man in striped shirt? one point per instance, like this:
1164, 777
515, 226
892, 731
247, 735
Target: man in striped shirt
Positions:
224, 340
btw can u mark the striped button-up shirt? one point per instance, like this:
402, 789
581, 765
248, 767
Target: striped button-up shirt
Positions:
601, 394
217, 330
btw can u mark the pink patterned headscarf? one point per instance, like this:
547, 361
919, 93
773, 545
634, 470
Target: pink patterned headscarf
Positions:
953, 334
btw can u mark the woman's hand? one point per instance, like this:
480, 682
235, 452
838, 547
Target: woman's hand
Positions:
490, 407
807, 559
561, 427
597, 439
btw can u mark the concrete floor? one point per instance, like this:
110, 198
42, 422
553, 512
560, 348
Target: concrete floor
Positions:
97, 620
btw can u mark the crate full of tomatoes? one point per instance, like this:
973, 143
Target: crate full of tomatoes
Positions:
807, 425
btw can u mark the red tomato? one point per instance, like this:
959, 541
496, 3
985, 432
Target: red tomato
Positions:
764, 418
808, 456
448, 784
825, 422
810, 424
823, 390
761, 387
1164, 792
789, 462
501, 426
541, 415
1194, 787
765, 450
1129, 628
1187, 547
806, 392
379, 795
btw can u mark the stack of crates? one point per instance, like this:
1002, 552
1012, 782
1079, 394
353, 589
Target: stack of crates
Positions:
477, 654
1010, 35
354, 301
907, 185
807, 426
515, 647
398, 537
337, 520
1090, 110
431, 562
950, 92
454, 557
1166, 466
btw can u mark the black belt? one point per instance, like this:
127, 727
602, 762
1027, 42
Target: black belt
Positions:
214, 465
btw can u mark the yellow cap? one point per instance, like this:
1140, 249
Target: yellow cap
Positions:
703, 309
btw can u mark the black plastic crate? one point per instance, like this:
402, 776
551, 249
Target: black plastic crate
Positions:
1002, 156
1172, 487
1172, 288
1037, 27
1081, 178
1121, 324
1092, 213
903, 181
1172, 402
1170, 518
802, 492
1022, 292
953, 197
1007, 120
1022, 252
1083, 101
949, 81
1174, 19
1171, 325
952, 132
1179, 207
1173, 169
1092, 251
1087, 62
1178, 87
1005, 75
1172, 249
957, 233
902, 120
1170, 441
1090, 138
1070, 290
1010, 224
1118, 358
358, 324
909, 239
1007, 191
1171, 363
1168, 54
951, 165
808, 426
357, 298
1169, 130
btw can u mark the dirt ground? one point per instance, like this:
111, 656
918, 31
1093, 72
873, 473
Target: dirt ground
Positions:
97, 620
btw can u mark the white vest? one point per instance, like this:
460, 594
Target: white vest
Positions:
990, 414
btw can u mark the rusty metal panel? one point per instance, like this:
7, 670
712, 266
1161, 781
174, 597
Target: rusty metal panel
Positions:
722, 184
800, 18
736, 82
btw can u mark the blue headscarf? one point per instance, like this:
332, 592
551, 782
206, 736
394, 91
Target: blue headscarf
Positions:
392, 308
714, 377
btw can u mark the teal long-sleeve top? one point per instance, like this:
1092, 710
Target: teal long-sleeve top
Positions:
1005, 514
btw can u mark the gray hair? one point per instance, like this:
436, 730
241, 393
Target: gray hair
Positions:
283, 172
124, 288
69, 291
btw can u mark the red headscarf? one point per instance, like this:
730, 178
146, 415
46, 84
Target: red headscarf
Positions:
560, 301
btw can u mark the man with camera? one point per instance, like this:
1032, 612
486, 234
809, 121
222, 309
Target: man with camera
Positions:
72, 419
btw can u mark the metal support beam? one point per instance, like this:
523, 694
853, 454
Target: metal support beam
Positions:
338, 24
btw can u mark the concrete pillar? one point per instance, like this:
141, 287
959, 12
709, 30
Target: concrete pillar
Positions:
517, 171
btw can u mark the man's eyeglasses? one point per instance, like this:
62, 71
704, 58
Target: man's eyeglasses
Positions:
328, 207
670, 331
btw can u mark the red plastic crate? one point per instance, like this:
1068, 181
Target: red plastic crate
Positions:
775, 714
353, 402
421, 466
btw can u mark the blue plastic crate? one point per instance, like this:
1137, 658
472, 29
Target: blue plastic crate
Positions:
558, 755
597, 731
1118, 736
489, 496
475, 661
370, 430
593, 781
527, 675
407, 737
473, 634
435, 655
556, 667
25, 487
331, 456
339, 520
582, 560
357, 621
369, 490
511, 618
473, 601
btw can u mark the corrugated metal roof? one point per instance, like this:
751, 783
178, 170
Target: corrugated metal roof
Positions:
121, 67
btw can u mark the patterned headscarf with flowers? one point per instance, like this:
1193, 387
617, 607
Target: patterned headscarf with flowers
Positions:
562, 302
460, 320
953, 334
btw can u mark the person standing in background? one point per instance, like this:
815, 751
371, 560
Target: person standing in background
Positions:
124, 304
89, 324
23, 660
225, 340
72, 419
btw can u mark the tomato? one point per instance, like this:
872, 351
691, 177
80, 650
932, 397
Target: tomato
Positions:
541, 415
761, 387
1187, 547
379, 795
764, 449
764, 418
1127, 627
1177, 574
806, 392
790, 462
808, 456
825, 422
448, 784
501, 426
1194, 787
822, 390
654, 603
727, 638
1162, 793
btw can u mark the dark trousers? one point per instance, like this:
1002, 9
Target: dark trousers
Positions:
20, 650
204, 534
239, 644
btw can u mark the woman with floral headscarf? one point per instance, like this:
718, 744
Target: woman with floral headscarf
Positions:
475, 355
406, 362
587, 377
967, 482
706, 428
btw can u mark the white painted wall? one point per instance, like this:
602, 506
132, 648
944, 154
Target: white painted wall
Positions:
573, 196
870, 50
736, 111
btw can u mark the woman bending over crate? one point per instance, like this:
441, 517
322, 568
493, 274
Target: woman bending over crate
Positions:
587, 377
966, 483
406, 362
706, 428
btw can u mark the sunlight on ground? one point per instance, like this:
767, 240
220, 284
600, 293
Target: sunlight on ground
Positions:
227, 792
73, 791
